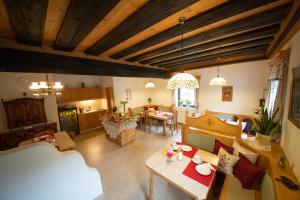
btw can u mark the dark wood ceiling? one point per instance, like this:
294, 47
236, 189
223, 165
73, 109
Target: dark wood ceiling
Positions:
142, 37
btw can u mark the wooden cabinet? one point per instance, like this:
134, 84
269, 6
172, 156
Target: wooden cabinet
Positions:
90, 120
80, 94
12, 138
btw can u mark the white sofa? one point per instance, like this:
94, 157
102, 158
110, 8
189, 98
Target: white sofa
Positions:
40, 172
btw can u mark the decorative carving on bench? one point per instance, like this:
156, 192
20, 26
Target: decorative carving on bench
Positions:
24, 112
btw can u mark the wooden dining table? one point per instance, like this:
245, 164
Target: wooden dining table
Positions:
162, 116
173, 172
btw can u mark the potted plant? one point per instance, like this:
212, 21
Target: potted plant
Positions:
123, 103
266, 126
149, 100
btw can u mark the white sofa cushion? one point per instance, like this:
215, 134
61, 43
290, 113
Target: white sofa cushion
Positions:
246, 152
40, 172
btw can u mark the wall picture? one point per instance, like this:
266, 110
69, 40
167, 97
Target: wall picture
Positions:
227, 93
294, 110
128, 94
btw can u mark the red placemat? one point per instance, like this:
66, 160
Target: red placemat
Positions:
189, 154
191, 172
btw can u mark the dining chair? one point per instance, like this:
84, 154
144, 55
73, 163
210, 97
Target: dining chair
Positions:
172, 123
147, 121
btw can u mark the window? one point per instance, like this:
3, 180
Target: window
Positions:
272, 95
185, 98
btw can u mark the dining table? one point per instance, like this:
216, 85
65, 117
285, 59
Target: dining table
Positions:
159, 115
182, 173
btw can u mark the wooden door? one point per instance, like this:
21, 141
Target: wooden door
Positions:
110, 98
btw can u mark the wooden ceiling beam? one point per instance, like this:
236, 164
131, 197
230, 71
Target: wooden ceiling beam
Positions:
148, 15
223, 61
28, 20
245, 37
289, 27
211, 16
264, 19
28, 61
80, 19
246, 51
259, 42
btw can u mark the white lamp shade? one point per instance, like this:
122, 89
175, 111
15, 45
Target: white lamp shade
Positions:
183, 80
218, 81
150, 85
34, 86
58, 85
43, 85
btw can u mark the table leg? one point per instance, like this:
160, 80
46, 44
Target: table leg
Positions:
151, 186
164, 127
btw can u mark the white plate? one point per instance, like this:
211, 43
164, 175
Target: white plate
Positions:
186, 148
197, 161
203, 169
176, 147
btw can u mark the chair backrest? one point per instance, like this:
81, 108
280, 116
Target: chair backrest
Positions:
267, 188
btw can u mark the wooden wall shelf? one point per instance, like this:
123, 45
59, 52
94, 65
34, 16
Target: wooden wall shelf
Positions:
81, 94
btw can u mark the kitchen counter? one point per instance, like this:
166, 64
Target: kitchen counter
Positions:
91, 119
92, 111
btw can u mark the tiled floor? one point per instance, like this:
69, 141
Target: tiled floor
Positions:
122, 169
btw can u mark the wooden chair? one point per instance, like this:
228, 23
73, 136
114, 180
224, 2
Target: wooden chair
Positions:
172, 123
147, 121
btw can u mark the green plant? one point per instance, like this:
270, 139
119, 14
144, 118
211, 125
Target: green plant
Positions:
149, 100
123, 103
266, 124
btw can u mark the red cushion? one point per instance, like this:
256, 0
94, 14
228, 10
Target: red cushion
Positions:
247, 172
219, 144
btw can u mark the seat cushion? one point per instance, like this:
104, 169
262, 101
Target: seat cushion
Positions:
246, 152
267, 188
202, 141
219, 144
234, 190
226, 161
247, 172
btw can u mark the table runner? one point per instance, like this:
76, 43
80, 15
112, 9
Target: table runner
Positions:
191, 172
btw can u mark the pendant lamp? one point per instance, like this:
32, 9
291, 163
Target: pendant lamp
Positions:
218, 80
150, 84
182, 80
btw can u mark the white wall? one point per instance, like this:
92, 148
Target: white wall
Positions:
73, 81
290, 133
140, 94
11, 89
248, 81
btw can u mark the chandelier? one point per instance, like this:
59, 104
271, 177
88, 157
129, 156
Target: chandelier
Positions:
218, 80
182, 80
150, 84
45, 88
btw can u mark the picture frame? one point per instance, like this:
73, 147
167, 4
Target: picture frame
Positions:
128, 94
294, 107
227, 93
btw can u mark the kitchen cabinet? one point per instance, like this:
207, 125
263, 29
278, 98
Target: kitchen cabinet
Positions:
80, 94
90, 120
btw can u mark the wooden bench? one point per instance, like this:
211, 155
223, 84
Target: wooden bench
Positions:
202, 131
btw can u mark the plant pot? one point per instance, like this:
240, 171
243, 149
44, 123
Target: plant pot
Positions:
263, 139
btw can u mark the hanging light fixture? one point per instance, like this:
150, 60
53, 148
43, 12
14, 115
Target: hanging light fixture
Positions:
182, 80
218, 80
45, 88
150, 84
